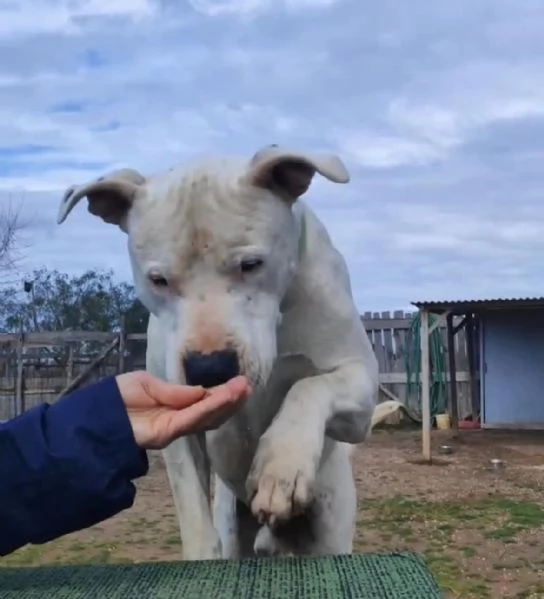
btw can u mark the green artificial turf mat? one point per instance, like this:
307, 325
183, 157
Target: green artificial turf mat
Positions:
369, 576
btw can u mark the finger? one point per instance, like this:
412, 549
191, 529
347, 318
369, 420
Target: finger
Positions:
238, 385
181, 423
177, 396
183, 396
172, 425
215, 419
220, 416
196, 416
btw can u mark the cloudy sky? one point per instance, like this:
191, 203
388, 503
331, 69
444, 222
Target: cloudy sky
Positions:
437, 109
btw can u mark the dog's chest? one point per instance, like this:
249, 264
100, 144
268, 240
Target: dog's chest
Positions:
232, 447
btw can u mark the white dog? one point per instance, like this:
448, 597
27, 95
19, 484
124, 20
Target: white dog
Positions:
241, 277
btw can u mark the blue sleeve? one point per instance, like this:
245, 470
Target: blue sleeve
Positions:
66, 466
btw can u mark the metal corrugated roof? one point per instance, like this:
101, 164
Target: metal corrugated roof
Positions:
480, 304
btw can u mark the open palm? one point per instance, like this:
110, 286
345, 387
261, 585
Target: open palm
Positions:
160, 412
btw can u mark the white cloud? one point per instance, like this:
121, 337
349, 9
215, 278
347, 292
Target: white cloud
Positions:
466, 99
436, 108
245, 8
439, 126
386, 151
26, 17
214, 8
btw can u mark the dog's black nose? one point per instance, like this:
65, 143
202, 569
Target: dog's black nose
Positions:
212, 369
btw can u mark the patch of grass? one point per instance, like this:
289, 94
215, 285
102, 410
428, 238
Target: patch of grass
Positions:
62, 552
452, 579
29, 555
431, 527
514, 565
506, 534
172, 540
139, 524
513, 516
521, 516
92, 556
405, 532
533, 592
469, 552
76, 547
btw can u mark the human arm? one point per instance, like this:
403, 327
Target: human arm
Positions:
67, 466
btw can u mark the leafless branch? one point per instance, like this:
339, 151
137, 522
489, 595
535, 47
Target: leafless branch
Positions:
12, 226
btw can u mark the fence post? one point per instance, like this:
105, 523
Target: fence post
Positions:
85, 373
20, 382
121, 348
70, 363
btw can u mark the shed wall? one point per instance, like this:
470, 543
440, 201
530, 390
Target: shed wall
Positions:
513, 369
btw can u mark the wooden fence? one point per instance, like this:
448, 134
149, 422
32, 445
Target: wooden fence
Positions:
389, 334
41, 367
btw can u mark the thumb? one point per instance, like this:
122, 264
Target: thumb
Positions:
175, 396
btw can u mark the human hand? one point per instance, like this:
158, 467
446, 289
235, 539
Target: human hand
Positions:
160, 412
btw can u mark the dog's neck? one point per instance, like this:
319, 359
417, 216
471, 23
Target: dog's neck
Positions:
300, 219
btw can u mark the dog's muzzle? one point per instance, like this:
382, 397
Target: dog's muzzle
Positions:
212, 369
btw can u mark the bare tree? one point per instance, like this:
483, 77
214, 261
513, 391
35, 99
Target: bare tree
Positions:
12, 226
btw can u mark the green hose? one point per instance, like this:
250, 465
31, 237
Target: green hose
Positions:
437, 357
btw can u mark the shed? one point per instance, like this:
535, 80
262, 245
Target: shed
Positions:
505, 347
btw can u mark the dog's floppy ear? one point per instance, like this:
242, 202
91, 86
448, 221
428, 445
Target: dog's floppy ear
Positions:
289, 173
110, 196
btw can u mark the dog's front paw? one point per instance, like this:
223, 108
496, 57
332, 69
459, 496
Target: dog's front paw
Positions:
280, 482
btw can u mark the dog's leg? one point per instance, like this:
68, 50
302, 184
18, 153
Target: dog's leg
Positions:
327, 525
188, 472
224, 519
338, 404
335, 512
235, 523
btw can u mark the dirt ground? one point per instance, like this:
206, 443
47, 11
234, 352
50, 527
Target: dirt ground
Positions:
481, 531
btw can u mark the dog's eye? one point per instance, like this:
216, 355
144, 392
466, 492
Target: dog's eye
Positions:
158, 280
247, 266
